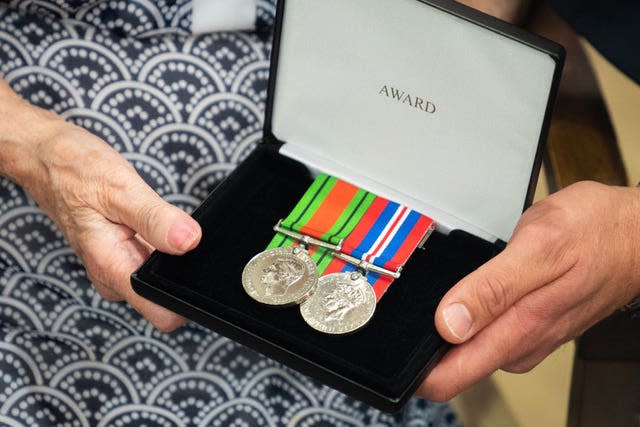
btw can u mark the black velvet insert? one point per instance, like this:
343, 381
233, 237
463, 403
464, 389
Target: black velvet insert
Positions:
383, 361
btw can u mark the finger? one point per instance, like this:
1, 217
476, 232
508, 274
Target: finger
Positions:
563, 320
530, 361
549, 338
147, 246
517, 341
465, 364
114, 252
163, 225
474, 302
161, 318
106, 293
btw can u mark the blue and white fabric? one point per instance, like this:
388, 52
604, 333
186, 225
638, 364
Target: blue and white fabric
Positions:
184, 111
133, 18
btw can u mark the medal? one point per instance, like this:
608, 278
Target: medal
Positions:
343, 303
355, 241
286, 272
280, 276
374, 252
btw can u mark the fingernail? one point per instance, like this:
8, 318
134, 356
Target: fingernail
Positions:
182, 236
458, 320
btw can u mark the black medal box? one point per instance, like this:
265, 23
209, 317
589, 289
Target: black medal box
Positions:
461, 142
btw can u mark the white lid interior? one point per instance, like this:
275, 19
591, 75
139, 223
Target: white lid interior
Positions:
467, 165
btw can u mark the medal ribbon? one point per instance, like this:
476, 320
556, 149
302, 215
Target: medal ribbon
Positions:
374, 229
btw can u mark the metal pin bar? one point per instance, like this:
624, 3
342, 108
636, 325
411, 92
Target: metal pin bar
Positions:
366, 266
426, 236
361, 264
306, 240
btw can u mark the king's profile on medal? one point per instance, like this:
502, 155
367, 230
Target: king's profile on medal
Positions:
342, 303
280, 276
342, 299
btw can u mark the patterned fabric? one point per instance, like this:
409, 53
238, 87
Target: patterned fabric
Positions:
184, 111
130, 18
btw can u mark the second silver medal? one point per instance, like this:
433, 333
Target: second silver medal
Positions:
342, 303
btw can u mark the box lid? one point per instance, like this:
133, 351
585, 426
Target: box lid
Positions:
428, 103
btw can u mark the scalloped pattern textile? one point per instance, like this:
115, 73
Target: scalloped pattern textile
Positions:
131, 18
184, 111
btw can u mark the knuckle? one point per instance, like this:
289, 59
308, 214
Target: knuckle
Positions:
163, 320
520, 367
165, 325
587, 185
107, 294
148, 217
99, 281
551, 241
492, 294
111, 188
537, 337
527, 361
102, 273
436, 393
95, 273
541, 232
160, 320
440, 396
548, 232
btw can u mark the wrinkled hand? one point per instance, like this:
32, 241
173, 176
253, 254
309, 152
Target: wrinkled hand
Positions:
573, 259
109, 215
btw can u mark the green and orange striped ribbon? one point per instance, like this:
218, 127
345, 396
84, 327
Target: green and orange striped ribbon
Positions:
329, 211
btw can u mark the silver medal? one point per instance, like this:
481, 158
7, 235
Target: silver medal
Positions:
281, 276
342, 303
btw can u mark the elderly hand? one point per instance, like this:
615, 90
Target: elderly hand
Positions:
573, 259
109, 215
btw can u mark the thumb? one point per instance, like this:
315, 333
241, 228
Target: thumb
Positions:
164, 226
492, 289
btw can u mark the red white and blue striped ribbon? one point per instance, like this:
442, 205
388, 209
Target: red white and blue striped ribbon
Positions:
386, 236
